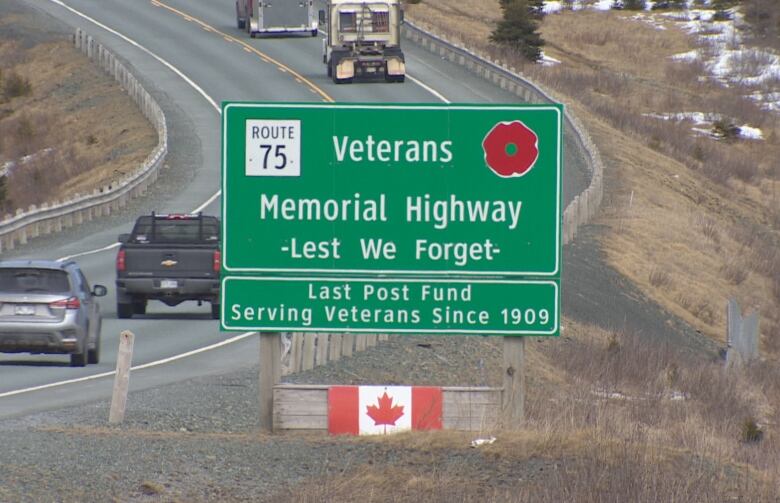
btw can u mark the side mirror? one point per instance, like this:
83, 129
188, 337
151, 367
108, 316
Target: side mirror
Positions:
124, 238
402, 17
322, 16
99, 291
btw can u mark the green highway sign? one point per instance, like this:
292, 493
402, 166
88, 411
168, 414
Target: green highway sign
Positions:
415, 306
397, 190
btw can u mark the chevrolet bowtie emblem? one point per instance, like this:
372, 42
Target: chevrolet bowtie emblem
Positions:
168, 263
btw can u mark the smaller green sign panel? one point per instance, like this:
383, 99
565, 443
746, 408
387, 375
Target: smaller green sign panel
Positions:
413, 306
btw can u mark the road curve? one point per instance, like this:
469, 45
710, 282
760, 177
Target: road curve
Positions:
200, 40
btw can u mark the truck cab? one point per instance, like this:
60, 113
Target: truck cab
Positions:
363, 39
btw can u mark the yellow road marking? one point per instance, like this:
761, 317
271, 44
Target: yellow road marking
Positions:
228, 39
266, 58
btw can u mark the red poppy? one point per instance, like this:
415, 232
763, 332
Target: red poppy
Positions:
511, 149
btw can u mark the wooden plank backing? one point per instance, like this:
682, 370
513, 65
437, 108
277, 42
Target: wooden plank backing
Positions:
305, 407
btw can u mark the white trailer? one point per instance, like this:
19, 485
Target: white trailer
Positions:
363, 39
268, 17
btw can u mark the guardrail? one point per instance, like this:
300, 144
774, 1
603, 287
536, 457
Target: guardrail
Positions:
303, 351
582, 208
54, 216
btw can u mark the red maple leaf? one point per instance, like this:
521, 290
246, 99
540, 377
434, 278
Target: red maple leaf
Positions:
386, 413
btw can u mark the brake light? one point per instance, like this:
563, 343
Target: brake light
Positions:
71, 303
217, 260
120, 261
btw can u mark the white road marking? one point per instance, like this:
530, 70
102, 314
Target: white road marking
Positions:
428, 88
199, 208
137, 367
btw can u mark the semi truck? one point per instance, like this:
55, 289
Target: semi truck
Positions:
269, 17
363, 39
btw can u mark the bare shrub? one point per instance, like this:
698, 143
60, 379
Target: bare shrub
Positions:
709, 228
776, 286
626, 471
684, 301
734, 271
703, 310
14, 85
725, 129
687, 71
771, 341
41, 178
626, 361
660, 278
763, 256
751, 432
24, 134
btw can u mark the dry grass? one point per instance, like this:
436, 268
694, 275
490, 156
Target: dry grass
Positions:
618, 416
80, 129
631, 421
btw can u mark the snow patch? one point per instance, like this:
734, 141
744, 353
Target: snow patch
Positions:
548, 60
750, 133
686, 56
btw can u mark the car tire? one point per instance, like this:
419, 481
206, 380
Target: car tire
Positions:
215, 311
124, 311
139, 307
78, 359
93, 355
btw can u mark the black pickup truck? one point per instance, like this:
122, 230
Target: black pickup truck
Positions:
170, 258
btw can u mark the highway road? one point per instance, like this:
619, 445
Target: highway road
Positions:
190, 56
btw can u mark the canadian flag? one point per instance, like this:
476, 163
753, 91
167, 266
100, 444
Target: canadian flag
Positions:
377, 410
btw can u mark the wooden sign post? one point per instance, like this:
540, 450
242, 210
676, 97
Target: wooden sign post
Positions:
270, 375
512, 403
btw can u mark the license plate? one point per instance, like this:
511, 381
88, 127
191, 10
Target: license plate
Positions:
24, 310
169, 283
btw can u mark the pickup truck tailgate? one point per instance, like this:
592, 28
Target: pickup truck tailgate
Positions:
183, 262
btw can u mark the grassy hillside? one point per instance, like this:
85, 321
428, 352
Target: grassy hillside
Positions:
65, 127
691, 218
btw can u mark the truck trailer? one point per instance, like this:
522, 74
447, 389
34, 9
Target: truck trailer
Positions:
269, 17
363, 39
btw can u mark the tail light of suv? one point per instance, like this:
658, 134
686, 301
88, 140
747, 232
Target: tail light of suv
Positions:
69, 303
217, 262
120, 261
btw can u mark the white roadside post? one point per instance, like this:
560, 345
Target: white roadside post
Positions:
124, 361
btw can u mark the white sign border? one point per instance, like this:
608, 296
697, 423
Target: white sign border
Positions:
451, 273
262, 328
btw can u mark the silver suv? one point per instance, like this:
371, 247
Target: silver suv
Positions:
48, 307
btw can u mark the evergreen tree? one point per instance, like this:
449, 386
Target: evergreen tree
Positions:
517, 30
536, 8
634, 4
721, 10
